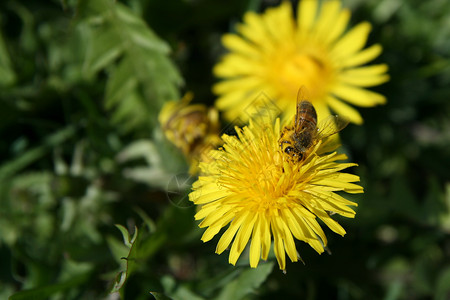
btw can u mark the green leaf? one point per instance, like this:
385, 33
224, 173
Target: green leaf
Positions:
127, 106
140, 36
443, 285
247, 282
177, 291
11, 167
126, 236
104, 50
147, 220
160, 296
128, 263
7, 75
445, 213
44, 292
118, 250
120, 83
141, 75
182, 292
394, 290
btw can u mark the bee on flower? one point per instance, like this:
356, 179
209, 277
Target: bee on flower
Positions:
257, 189
296, 140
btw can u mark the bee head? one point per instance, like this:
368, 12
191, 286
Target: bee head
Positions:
296, 155
289, 150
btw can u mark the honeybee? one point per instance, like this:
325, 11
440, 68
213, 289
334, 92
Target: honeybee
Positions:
297, 139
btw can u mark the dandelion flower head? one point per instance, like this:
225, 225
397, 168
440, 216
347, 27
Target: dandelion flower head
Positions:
259, 195
274, 53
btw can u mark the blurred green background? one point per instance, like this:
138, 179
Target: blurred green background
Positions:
81, 85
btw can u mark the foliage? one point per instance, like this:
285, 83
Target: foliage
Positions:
81, 85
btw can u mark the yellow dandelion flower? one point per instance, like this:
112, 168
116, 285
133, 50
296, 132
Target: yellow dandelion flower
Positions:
263, 196
193, 128
274, 53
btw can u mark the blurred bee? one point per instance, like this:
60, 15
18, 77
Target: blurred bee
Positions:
297, 139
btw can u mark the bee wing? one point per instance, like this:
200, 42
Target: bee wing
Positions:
331, 125
302, 95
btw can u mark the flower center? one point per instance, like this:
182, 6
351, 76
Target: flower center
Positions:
266, 177
307, 68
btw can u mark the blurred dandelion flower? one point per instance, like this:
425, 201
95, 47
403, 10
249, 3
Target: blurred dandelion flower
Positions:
262, 195
193, 128
276, 54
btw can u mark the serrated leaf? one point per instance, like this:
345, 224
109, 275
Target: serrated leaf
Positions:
140, 34
144, 77
104, 50
120, 83
129, 106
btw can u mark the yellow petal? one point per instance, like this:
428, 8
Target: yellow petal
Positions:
243, 83
207, 209
228, 235
279, 23
221, 214
231, 99
352, 41
254, 30
331, 167
363, 81
345, 110
333, 197
289, 243
362, 57
327, 203
237, 44
245, 232
316, 243
266, 239
306, 15
255, 246
278, 247
336, 183
293, 225
234, 65
338, 28
366, 71
332, 224
242, 238
211, 231
340, 177
358, 96
200, 197
309, 225
205, 183
327, 19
